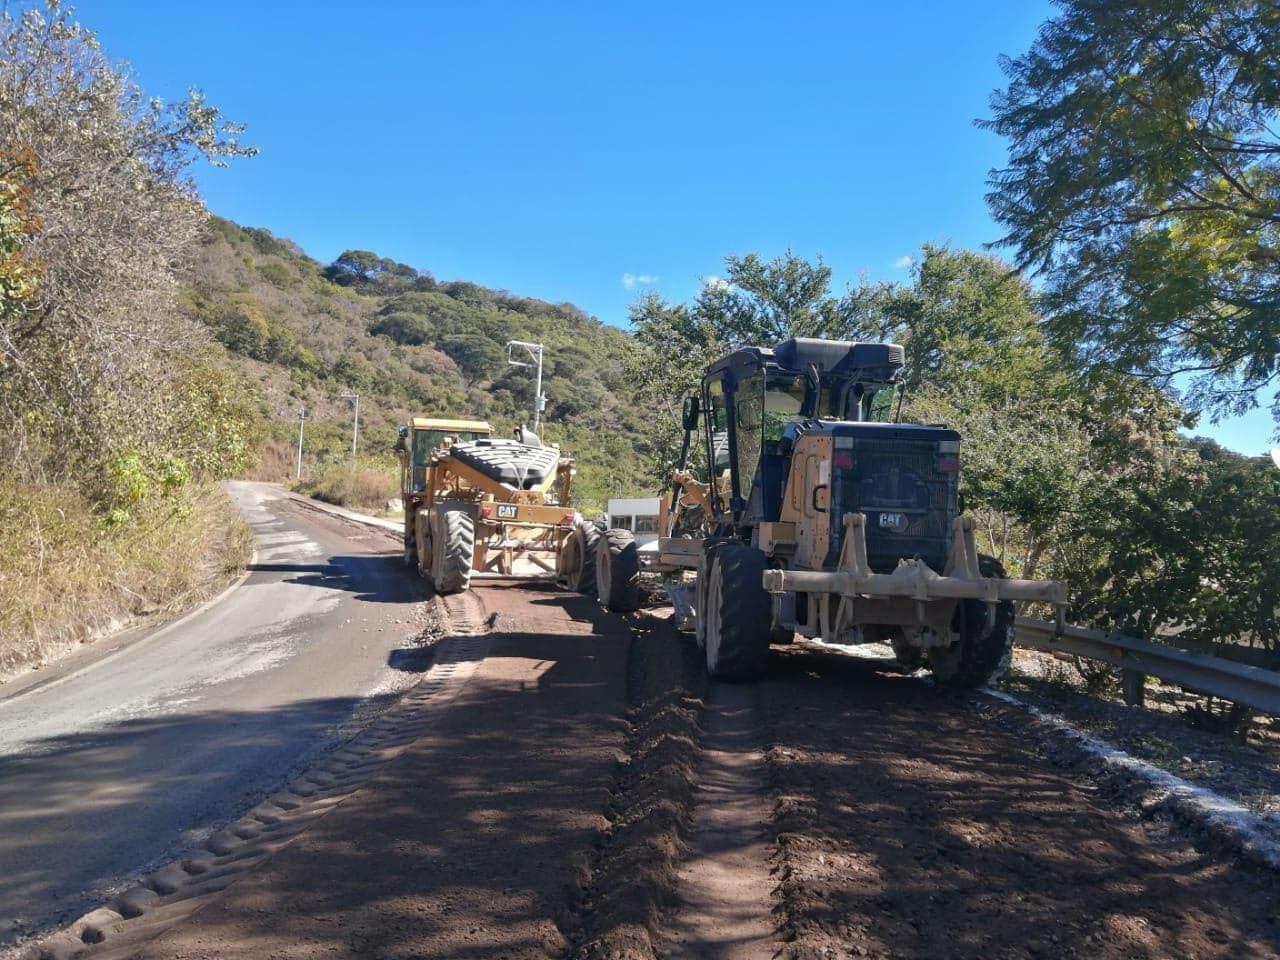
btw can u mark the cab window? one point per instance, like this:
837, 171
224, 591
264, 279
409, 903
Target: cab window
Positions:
717, 420
748, 416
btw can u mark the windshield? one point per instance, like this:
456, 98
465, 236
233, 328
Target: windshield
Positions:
783, 400
878, 400
424, 441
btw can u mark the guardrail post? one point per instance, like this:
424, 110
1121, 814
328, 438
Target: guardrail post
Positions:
1133, 686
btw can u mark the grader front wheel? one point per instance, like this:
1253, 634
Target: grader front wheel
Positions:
618, 571
738, 613
576, 563
984, 647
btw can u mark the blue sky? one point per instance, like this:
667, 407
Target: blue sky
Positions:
588, 152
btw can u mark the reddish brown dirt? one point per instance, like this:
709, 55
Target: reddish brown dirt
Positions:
913, 826
635, 876
475, 842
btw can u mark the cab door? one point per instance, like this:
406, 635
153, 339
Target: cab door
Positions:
807, 500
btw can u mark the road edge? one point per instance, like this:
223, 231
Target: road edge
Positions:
1254, 838
145, 633
167, 896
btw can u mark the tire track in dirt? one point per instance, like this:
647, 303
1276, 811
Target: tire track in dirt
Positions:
913, 825
724, 886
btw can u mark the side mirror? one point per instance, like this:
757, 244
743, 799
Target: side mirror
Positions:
403, 430
689, 413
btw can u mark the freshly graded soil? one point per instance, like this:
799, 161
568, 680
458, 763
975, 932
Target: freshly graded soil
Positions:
635, 880
912, 825
477, 841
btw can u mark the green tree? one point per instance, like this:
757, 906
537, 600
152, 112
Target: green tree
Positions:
1144, 183
964, 319
760, 301
478, 357
88, 362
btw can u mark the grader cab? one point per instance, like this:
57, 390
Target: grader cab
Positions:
829, 520
475, 503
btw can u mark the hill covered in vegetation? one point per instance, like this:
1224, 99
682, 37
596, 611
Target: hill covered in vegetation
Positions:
304, 333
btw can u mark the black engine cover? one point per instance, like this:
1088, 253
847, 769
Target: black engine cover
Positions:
891, 472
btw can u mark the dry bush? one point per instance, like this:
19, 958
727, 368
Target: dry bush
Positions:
360, 487
276, 462
65, 578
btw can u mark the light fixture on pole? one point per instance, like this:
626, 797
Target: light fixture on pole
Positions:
355, 422
302, 420
535, 352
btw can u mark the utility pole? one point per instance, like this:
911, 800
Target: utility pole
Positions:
302, 420
535, 352
355, 423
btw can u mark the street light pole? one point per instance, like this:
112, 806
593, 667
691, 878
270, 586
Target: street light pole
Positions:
355, 423
302, 420
535, 352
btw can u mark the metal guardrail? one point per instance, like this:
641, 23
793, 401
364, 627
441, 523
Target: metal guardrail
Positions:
1214, 676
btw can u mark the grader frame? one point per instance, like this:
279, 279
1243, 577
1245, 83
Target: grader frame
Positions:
484, 506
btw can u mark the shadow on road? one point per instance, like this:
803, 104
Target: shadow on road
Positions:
78, 810
476, 840
919, 824
373, 578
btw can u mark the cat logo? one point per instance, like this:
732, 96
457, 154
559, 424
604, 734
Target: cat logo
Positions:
506, 511
896, 522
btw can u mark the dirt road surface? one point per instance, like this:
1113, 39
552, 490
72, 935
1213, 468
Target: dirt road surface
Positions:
117, 760
478, 840
583, 793
915, 826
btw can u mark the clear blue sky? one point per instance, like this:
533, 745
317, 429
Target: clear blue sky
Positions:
587, 152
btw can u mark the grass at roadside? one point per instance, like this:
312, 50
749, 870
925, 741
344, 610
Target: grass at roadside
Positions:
66, 579
361, 487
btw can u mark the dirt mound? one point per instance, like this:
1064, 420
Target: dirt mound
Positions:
635, 874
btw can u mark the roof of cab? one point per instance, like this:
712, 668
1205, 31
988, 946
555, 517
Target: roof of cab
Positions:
829, 356
439, 423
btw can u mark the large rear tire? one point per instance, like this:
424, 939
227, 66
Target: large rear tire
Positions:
981, 655
618, 571
738, 613
454, 544
576, 564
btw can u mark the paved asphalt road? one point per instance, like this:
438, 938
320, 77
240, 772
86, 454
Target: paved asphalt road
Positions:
117, 761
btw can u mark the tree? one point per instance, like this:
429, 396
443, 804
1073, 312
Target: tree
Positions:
1144, 183
89, 356
965, 319
20, 274
764, 302
478, 357
382, 275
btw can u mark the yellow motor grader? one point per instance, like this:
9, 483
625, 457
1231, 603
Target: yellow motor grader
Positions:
822, 517
475, 503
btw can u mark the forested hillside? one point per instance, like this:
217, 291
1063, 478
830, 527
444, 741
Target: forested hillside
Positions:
304, 333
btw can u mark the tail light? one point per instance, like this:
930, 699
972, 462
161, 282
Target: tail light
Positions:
486, 510
946, 463
567, 518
